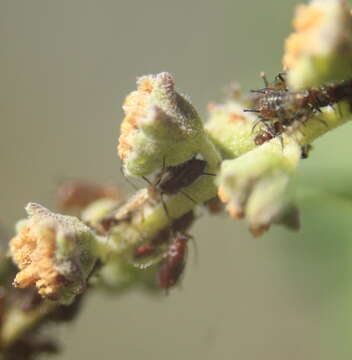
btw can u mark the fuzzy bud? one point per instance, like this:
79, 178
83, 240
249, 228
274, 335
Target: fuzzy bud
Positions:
256, 185
230, 128
53, 252
320, 49
159, 124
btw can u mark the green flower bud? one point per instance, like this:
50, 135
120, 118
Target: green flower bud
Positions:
53, 252
159, 124
119, 275
256, 185
320, 50
230, 128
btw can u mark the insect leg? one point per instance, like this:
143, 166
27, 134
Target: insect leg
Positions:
209, 174
255, 125
195, 247
188, 197
339, 110
321, 121
147, 180
163, 203
281, 141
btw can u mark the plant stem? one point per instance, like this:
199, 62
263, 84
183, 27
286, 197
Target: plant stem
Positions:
17, 322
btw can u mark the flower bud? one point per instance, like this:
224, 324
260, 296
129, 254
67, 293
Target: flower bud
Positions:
160, 125
53, 252
320, 49
230, 128
256, 185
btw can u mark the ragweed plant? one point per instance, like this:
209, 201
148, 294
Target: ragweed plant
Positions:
244, 162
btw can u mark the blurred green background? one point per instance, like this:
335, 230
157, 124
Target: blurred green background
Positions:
65, 68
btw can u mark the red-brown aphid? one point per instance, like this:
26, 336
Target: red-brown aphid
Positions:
214, 205
174, 261
275, 130
127, 211
263, 137
144, 250
179, 225
107, 223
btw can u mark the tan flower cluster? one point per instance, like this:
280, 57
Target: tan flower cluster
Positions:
233, 211
134, 107
33, 250
307, 20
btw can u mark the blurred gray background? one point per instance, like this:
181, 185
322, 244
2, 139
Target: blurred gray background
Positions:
65, 68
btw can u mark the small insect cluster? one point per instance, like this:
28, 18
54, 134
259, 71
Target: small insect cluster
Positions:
168, 249
169, 181
279, 108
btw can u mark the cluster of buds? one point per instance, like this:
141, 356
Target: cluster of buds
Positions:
257, 185
162, 132
144, 240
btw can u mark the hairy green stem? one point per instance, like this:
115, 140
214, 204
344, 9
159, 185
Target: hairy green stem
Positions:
320, 124
235, 138
18, 322
178, 205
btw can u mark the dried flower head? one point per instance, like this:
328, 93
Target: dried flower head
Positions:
54, 253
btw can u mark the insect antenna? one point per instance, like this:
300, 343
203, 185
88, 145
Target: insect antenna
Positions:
127, 179
147, 180
251, 110
163, 203
263, 76
259, 91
